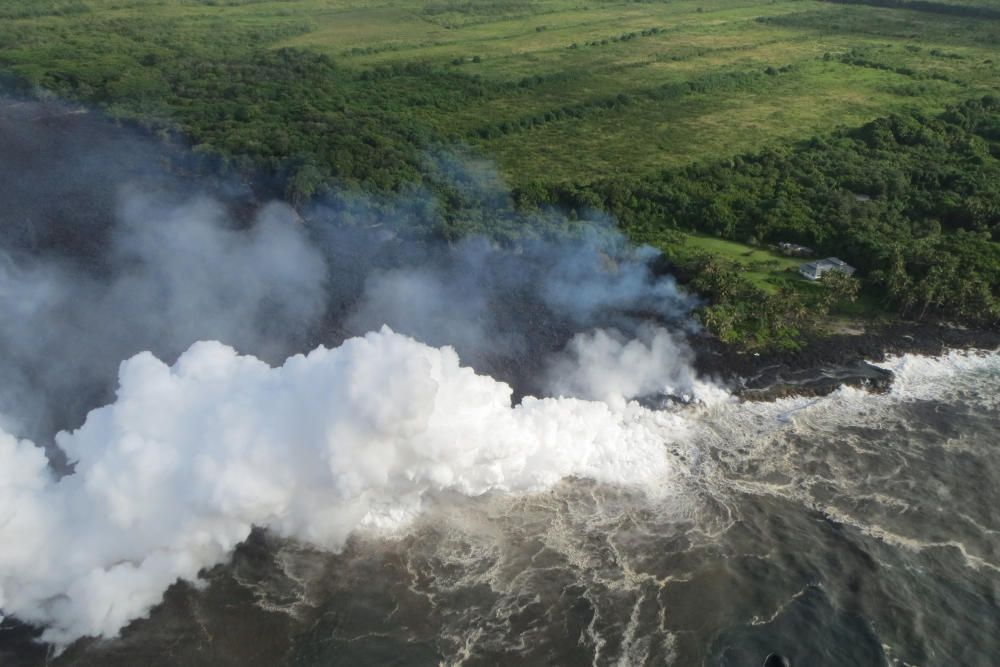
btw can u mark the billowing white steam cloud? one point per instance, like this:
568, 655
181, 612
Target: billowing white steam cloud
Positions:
604, 365
170, 477
173, 475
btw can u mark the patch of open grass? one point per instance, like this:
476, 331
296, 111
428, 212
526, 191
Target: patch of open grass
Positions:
763, 267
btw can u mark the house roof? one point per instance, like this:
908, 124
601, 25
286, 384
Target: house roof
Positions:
828, 263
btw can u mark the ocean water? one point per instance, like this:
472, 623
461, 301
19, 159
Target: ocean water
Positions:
853, 529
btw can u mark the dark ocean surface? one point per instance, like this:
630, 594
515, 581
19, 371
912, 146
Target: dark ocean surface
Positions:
853, 529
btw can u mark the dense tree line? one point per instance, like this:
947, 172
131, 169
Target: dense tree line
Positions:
487, 7
856, 58
912, 201
970, 11
942, 28
44, 8
624, 37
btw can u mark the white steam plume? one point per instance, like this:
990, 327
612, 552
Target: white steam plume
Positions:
173, 475
604, 365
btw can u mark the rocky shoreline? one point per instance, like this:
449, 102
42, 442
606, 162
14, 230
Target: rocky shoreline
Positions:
825, 363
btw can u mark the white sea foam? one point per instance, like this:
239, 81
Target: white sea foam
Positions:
924, 377
866, 460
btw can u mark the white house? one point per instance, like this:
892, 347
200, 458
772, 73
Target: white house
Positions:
815, 270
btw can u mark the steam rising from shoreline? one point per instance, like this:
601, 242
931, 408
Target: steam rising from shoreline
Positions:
174, 271
604, 365
175, 473
198, 446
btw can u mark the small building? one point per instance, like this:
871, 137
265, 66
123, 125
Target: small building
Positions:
815, 270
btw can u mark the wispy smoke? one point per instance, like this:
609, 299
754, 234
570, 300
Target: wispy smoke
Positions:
497, 307
199, 446
172, 274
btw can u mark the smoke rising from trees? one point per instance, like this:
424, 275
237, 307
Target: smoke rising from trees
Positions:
198, 442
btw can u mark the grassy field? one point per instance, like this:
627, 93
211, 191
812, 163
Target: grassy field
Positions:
564, 90
766, 269
693, 39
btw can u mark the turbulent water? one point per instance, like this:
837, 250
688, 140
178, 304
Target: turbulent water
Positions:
854, 529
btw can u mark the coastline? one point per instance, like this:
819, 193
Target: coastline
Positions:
42, 134
824, 363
